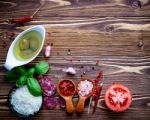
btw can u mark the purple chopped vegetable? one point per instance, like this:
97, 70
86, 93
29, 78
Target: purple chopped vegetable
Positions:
50, 102
47, 85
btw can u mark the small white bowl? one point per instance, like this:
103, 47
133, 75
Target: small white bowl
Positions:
11, 60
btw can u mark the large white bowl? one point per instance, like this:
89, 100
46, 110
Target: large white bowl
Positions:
11, 60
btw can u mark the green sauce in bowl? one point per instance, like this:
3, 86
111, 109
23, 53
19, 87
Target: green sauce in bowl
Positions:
27, 45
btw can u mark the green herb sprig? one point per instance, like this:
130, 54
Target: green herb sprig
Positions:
26, 77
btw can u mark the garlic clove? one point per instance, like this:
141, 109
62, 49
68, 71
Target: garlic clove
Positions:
47, 51
70, 70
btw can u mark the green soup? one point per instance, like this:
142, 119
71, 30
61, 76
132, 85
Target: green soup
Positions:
28, 45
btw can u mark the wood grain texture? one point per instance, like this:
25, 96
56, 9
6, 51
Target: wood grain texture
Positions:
113, 32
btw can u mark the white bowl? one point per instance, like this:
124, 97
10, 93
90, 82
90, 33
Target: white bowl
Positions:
11, 60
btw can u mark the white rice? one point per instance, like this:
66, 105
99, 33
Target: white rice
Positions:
24, 102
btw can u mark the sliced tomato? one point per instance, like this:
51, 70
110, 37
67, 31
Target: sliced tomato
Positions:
118, 98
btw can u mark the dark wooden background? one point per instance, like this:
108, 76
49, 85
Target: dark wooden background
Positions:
115, 33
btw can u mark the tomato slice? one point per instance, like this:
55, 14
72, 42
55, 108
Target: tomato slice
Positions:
118, 98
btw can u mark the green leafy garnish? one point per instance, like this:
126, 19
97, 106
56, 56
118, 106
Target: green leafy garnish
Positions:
34, 87
41, 68
20, 70
21, 81
15, 74
30, 72
22, 76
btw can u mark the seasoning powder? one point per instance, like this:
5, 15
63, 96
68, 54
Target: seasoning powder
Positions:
25, 103
85, 87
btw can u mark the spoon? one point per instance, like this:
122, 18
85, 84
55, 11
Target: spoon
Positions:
82, 99
11, 60
68, 98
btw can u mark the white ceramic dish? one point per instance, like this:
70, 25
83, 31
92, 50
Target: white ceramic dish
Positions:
11, 60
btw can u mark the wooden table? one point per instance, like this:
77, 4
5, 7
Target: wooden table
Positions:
109, 35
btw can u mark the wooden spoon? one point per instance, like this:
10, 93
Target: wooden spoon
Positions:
81, 102
68, 99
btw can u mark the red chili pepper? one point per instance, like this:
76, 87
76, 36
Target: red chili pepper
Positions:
97, 91
98, 77
21, 20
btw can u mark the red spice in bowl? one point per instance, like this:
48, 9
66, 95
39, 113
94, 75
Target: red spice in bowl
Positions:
66, 88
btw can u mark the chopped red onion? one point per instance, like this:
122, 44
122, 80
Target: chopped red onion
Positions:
50, 102
47, 85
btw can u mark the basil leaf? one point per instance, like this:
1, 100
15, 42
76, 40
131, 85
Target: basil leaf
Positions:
11, 76
15, 74
30, 72
20, 70
41, 68
34, 87
21, 81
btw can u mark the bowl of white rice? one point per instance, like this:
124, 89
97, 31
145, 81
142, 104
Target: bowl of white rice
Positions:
23, 103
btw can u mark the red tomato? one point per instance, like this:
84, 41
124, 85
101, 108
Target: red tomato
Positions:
118, 98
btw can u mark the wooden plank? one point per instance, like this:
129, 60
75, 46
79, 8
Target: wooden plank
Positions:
113, 32
85, 40
76, 8
102, 113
